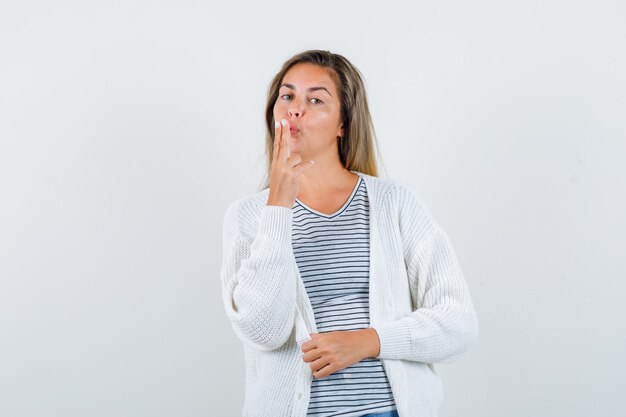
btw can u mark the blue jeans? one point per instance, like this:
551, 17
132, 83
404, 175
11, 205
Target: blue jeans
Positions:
393, 413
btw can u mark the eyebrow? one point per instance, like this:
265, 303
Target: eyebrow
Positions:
310, 89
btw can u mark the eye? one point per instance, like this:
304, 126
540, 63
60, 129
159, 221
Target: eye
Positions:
289, 95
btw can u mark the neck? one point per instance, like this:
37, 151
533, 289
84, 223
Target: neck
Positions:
324, 177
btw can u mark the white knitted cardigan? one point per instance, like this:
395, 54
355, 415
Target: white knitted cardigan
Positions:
420, 304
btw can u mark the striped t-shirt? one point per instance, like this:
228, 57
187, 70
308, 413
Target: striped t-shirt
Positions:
332, 253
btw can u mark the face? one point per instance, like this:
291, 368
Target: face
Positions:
308, 99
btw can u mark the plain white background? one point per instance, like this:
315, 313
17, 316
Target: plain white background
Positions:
127, 127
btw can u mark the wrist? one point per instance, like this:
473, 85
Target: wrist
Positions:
372, 342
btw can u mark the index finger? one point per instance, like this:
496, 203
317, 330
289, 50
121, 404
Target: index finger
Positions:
286, 139
276, 140
306, 346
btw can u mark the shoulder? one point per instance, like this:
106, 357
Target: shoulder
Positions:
378, 187
408, 195
397, 192
249, 201
399, 199
245, 210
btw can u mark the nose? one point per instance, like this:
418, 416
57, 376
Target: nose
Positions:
295, 109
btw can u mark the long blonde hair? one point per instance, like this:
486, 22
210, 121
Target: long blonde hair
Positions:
358, 149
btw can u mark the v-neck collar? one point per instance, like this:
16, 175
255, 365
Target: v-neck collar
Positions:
342, 208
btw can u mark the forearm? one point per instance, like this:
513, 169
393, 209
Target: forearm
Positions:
371, 342
428, 335
259, 283
366, 342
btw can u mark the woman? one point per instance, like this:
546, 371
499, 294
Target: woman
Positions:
341, 285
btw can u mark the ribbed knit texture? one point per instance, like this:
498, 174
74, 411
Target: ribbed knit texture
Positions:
419, 302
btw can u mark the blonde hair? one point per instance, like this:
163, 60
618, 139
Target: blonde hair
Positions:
358, 149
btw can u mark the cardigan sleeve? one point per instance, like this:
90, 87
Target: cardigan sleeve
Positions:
257, 276
444, 324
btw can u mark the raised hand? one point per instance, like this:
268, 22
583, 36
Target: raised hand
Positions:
285, 170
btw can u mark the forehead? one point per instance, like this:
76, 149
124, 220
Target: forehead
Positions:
305, 75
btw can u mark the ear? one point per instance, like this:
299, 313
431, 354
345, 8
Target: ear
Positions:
340, 131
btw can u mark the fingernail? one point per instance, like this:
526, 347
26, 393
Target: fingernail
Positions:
284, 122
277, 124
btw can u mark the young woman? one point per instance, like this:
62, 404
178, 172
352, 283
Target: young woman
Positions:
342, 287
